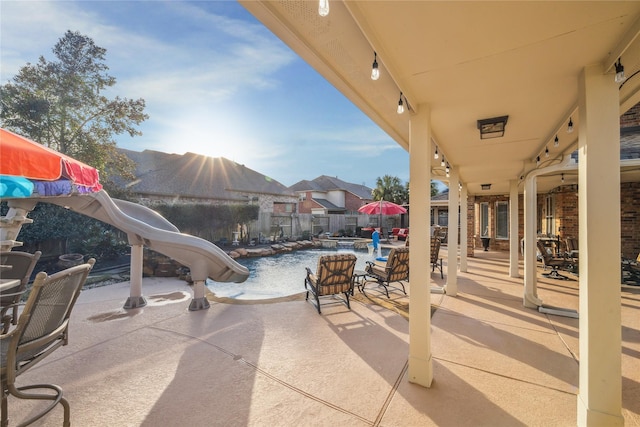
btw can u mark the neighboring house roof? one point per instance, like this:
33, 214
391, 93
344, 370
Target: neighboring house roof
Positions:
305, 185
328, 205
328, 183
195, 175
630, 143
443, 195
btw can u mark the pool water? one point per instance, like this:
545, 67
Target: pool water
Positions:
280, 275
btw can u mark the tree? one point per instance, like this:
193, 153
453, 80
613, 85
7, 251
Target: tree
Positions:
391, 189
60, 105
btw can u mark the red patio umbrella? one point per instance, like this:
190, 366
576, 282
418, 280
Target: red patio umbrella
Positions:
24, 158
380, 208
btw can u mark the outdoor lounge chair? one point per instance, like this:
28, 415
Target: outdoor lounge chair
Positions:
333, 276
396, 269
16, 265
436, 261
555, 263
631, 271
41, 329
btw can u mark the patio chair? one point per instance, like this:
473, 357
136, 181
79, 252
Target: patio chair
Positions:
555, 263
631, 270
42, 327
436, 260
396, 269
333, 276
19, 266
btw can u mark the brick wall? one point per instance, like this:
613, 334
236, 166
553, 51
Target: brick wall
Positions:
566, 214
631, 118
352, 202
630, 219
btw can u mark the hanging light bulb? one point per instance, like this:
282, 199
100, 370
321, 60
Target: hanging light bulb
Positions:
562, 178
537, 160
620, 77
570, 126
435, 155
447, 169
556, 141
400, 109
375, 72
546, 151
442, 162
323, 8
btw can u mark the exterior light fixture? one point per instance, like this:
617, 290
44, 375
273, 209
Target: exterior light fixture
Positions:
556, 141
375, 71
620, 77
485, 186
323, 7
570, 126
400, 109
493, 127
435, 155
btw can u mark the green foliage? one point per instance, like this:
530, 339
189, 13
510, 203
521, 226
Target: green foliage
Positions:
391, 189
210, 222
60, 105
434, 188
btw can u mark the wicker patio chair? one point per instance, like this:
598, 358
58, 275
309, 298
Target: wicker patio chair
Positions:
19, 266
436, 260
41, 329
333, 276
396, 269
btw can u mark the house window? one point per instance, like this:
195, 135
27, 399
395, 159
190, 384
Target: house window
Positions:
484, 219
302, 197
502, 220
550, 223
443, 218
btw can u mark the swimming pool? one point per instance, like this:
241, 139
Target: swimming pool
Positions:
280, 275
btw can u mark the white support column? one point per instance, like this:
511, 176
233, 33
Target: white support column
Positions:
531, 299
136, 299
420, 361
514, 244
451, 287
463, 228
600, 396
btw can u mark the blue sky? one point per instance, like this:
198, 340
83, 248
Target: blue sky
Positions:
216, 82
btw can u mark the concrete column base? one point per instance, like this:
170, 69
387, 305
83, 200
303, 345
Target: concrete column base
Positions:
135, 302
420, 371
199, 304
590, 417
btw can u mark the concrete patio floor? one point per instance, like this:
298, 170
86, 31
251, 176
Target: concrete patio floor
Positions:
495, 362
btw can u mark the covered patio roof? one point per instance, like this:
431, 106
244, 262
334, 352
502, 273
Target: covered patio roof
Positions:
468, 61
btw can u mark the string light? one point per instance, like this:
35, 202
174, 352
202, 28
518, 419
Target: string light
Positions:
323, 7
435, 155
442, 162
546, 152
556, 141
562, 178
375, 71
537, 160
570, 126
620, 77
400, 109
